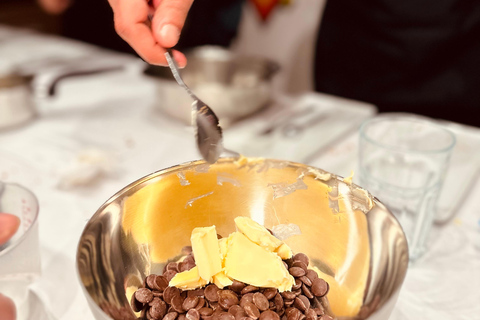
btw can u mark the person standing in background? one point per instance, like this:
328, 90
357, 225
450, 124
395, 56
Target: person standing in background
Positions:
419, 56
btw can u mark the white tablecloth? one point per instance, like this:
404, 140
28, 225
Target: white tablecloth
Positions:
117, 135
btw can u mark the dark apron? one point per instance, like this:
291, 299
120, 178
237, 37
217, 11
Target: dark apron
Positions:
419, 56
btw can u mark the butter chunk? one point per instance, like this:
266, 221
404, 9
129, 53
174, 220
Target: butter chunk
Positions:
221, 280
206, 251
284, 251
188, 280
250, 263
257, 233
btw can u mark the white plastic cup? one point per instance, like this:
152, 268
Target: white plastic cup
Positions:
20, 256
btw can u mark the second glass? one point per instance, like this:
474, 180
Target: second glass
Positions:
403, 161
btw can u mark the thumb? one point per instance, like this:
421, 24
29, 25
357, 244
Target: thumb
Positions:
168, 21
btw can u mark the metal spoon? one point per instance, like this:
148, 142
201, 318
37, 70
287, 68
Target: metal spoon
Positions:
207, 129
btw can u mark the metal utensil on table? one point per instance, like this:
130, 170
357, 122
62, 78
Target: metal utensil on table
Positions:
208, 132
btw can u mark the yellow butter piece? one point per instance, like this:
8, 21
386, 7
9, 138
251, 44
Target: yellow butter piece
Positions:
250, 263
206, 251
257, 233
284, 251
221, 280
222, 245
188, 280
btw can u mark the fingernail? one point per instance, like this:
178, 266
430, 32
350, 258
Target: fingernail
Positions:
169, 34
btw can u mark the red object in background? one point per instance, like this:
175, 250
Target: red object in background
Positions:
264, 7
9, 224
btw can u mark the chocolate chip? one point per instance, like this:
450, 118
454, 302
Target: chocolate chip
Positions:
214, 305
187, 264
158, 308
288, 295
270, 293
226, 316
288, 303
302, 303
249, 289
306, 291
171, 266
299, 264
269, 315
235, 309
196, 293
306, 280
319, 287
177, 304
211, 292
301, 257
182, 316
311, 314
278, 302
246, 298
297, 285
201, 303
170, 316
192, 314
205, 311
260, 301
297, 271
227, 298
190, 303
144, 295
311, 274
251, 310
237, 286
150, 281
293, 314
169, 293
135, 304
160, 283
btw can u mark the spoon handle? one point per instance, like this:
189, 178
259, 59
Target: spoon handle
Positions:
176, 73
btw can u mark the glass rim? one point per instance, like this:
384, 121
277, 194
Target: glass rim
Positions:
408, 117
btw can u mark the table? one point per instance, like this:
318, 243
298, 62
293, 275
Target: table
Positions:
116, 135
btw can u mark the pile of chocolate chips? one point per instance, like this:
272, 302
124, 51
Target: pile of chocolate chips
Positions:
307, 300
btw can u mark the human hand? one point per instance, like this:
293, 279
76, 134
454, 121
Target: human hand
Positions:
54, 6
150, 41
9, 224
7, 308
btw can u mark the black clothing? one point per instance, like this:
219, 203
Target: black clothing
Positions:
419, 56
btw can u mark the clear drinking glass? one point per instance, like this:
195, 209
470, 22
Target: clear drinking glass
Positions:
403, 159
20, 256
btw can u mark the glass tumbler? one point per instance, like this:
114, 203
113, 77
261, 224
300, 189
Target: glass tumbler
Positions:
403, 159
20, 256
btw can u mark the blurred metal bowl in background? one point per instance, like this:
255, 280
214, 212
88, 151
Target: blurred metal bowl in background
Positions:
235, 86
348, 234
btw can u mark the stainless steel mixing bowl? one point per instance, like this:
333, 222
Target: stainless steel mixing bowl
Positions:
348, 234
233, 85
